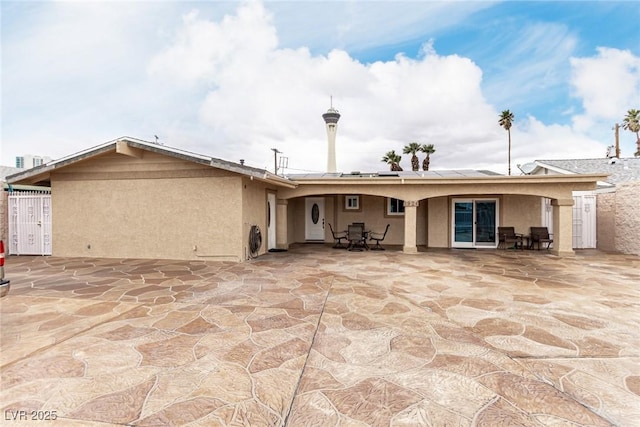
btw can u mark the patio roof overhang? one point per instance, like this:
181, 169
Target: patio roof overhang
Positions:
417, 187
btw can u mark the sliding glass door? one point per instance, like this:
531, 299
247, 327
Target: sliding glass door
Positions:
474, 223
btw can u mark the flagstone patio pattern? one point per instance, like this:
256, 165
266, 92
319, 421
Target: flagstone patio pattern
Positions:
322, 337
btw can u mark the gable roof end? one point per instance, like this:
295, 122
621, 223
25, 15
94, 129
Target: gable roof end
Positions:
134, 147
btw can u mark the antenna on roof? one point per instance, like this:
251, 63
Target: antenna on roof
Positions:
156, 136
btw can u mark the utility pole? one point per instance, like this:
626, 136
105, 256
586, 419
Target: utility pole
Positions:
275, 160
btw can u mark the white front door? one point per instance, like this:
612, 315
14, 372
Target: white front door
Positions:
271, 221
314, 219
474, 223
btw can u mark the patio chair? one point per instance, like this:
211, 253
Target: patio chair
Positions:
540, 235
378, 237
508, 235
355, 234
338, 237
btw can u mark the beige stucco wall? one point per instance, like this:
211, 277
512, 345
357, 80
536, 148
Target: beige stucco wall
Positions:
254, 202
438, 218
627, 218
606, 222
521, 212
154, 207
372, 213
518, 211
297, 215
433, 217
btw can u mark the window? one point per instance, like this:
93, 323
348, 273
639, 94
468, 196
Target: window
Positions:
20, 162
395, 206
37, 161
352, 203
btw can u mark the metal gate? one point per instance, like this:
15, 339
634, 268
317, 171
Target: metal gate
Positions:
584, 221
29, 223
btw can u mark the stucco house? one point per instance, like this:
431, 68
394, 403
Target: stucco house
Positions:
607, 216
133, 198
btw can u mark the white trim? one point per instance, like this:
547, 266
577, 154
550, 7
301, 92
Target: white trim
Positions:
473, 243
351, 206
401, 205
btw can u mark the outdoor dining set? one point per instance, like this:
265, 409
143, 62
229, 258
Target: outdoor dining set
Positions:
355, 237
539, 236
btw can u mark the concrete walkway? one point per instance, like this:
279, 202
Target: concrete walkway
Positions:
316, 336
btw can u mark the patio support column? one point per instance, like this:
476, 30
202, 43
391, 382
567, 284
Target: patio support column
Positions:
562, 227
282, 234
410, 226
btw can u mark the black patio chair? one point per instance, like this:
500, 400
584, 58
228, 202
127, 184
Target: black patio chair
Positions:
540, 235
355, 234
378, 237
508, 235
338, 237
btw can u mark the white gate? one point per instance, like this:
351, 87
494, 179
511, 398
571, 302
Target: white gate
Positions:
29, 223
584, 220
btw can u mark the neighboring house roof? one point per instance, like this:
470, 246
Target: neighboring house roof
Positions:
6, 171
127, 145
619, 170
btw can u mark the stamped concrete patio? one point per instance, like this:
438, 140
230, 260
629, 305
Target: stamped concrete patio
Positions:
316, 336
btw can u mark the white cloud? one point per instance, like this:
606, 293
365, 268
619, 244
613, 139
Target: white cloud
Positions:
263, 96
219, 81
608, 84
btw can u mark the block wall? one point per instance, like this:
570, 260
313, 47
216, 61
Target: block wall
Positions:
627, 219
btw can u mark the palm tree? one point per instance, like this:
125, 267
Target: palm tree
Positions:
631, 122
428, 149
412, 149
393, 160
506, 119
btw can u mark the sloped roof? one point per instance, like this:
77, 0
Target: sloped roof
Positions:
619, 170
8, 170
42, 173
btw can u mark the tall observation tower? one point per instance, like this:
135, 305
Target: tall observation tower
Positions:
331, 118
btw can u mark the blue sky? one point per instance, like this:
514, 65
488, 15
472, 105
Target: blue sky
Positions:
235, 79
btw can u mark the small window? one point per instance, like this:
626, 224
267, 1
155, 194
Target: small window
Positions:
352, 203
395, 206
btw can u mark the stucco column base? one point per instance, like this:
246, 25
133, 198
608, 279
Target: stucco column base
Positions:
562, 253
410, 249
